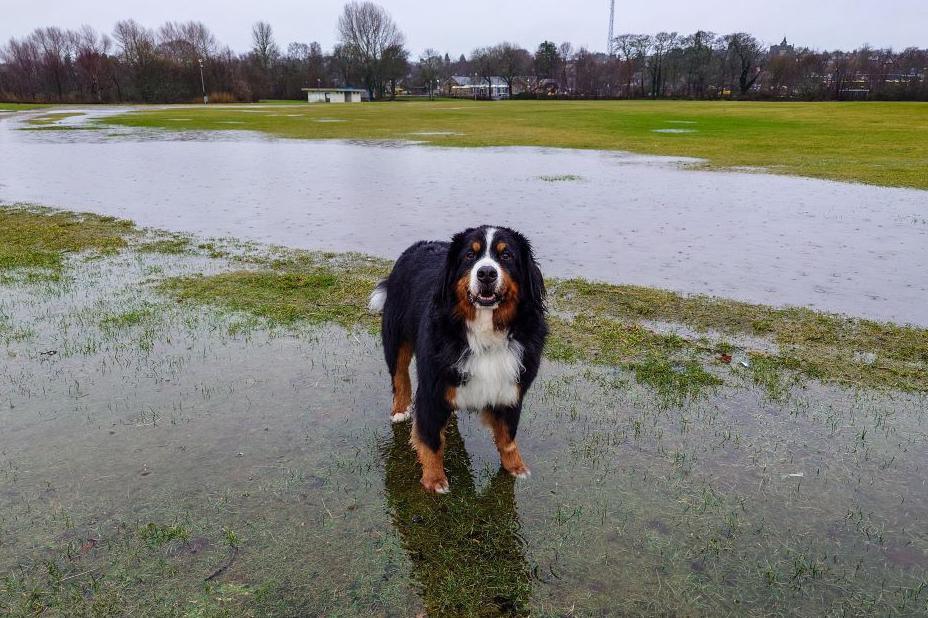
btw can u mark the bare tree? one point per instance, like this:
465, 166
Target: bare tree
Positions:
486, 62
744, 54
429, 69
368, 34
263, 47
514, 61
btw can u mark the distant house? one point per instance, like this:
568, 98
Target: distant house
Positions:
333, 95
464, 87
782, 49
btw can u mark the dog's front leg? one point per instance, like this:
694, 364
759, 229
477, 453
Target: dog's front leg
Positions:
430, 419
505, 422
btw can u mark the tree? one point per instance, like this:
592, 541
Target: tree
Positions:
744, 55
547, 60
485, 62
429, 69
263, 46
514, 61
373, 42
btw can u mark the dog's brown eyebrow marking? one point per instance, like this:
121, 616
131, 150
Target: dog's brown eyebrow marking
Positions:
475, 246
500, 247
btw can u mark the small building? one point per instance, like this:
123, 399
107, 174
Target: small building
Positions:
462, 86
333, 95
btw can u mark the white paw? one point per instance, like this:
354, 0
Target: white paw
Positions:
522, 474
399, 417
442, 489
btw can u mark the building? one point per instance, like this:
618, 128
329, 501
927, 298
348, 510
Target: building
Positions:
333, 95
465, 87
782, 49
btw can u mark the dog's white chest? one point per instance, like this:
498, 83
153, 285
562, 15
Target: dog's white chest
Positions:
491, 369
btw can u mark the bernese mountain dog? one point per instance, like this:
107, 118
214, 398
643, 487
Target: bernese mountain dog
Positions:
472, 312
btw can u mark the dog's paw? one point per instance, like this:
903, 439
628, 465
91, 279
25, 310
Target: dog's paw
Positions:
438, 485
521, 472
400, 417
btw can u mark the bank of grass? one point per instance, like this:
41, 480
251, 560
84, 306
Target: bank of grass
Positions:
878, 143
612, 325
37, 239
20, 107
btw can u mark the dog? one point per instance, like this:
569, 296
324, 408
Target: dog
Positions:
472, 313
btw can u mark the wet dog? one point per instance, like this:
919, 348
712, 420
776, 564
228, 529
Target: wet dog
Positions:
472, 313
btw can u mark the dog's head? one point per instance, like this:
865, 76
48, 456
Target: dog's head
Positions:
492, 268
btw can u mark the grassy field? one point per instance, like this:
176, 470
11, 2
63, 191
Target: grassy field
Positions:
198, 427
18, 107
876, 143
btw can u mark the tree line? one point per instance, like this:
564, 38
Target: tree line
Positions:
179, 62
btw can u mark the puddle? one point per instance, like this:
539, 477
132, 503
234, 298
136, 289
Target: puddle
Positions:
777, 240
436, 133
673, 131
329, 120
198, 422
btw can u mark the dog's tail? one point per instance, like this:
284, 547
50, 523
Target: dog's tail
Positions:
378, 298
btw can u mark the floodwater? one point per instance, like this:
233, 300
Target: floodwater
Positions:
136, 452
778, 240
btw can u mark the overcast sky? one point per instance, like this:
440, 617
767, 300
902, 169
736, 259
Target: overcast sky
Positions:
459, 26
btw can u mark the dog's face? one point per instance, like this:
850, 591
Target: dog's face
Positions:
492, 268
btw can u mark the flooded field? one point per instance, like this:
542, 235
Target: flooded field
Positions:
175, 458
840, 247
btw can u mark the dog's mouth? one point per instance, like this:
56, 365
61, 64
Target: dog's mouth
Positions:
484, 299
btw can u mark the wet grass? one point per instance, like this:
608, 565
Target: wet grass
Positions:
51, 120
157, 458
37, 239
610, 325
19, 107
174, 245
875, 143
823, 346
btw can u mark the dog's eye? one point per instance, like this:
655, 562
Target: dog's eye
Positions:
505, 255
470, 254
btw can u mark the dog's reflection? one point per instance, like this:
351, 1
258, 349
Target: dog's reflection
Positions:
465, 547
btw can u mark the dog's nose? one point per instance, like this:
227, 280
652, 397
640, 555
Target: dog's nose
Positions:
486, 274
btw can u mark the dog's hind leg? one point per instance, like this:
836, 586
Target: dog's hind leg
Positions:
402, 385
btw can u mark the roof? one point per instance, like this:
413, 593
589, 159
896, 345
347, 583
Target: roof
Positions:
465, 81
333, 90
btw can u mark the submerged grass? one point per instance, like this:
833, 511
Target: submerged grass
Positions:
590, 322
36, 238
824, 346
872, 142
608, 325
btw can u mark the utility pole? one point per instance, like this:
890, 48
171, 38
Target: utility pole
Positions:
610, 46
203, 82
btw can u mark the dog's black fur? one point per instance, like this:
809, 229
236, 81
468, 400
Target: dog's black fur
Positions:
424, 308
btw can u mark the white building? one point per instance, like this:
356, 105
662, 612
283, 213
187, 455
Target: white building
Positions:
333, 95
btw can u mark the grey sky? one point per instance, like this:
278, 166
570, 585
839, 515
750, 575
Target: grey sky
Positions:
460, 26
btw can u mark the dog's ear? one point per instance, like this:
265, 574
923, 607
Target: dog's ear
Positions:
532, 281
446, 292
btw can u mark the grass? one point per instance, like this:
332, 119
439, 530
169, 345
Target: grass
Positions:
604, 324
36, 238
609, 325
18, 107
876, 143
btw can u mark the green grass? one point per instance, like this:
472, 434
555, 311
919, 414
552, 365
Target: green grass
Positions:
36, 238
18, 107
609, 325
876, 143
604, 324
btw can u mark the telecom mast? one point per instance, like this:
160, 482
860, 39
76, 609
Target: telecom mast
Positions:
610, 45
